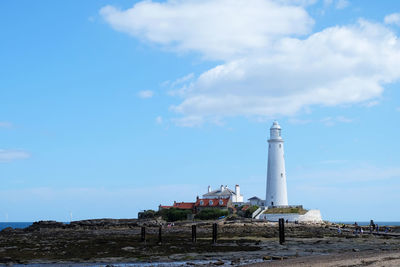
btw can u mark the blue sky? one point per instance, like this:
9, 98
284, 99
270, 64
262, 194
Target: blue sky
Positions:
110, 107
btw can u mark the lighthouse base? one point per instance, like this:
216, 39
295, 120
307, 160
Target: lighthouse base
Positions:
310, 216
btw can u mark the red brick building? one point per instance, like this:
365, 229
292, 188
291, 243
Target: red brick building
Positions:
219, 203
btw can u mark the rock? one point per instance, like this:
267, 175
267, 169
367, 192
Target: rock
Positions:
277, 258
37, 226
7, 230
356, 250
219, 262
128, 248
267, 258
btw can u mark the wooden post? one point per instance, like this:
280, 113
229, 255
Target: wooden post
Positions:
159, 234
214, 233
143, 234
194, 234
281, 231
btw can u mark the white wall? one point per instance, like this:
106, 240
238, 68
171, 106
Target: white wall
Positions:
276, 174
310, 216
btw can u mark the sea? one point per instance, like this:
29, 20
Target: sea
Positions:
26, 224
14, 225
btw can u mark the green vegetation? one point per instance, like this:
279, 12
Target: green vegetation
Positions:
250, 211
210, 213
297, 210
147, 214
174, 214
246, 213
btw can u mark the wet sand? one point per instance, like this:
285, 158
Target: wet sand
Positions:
365, 258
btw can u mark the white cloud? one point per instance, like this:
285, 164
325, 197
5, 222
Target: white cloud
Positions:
341, 4
393, 19
5, 124
159, 120
371, 103
340, 65
331, 121
219, 29
267, 69
11, 155
183, 79
338, 4
146, 94
297, 2
343, 119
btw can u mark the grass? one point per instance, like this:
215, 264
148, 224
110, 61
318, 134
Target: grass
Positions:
300, 211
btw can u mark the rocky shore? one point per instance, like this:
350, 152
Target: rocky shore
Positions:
240, 242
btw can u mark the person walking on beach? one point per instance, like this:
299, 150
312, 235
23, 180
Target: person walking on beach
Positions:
377, 228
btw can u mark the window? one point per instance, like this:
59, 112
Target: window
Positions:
201, 202
221, 202
281, 174
211, 202
280, 145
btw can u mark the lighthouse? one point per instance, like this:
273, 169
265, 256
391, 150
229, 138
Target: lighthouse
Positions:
276, 174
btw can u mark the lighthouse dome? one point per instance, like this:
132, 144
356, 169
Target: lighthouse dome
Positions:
275, 125
275, 131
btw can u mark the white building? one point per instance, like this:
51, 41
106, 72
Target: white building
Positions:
276, 174
256, 201
225, 192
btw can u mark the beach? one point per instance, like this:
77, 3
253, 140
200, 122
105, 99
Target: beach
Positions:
239, 242
365, 258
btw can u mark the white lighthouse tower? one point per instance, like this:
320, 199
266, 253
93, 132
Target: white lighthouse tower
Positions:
276, 174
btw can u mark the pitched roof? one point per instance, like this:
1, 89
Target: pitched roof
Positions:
255, 198
180, 205
224, 192
184, 205
215, 202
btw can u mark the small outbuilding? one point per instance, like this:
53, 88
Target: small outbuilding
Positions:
256, 201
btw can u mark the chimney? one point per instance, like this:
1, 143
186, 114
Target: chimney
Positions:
209, 189
237, 190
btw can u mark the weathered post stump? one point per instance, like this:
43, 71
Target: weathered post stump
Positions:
194, 233
159, 234
143, 234
214, 233
281, 231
